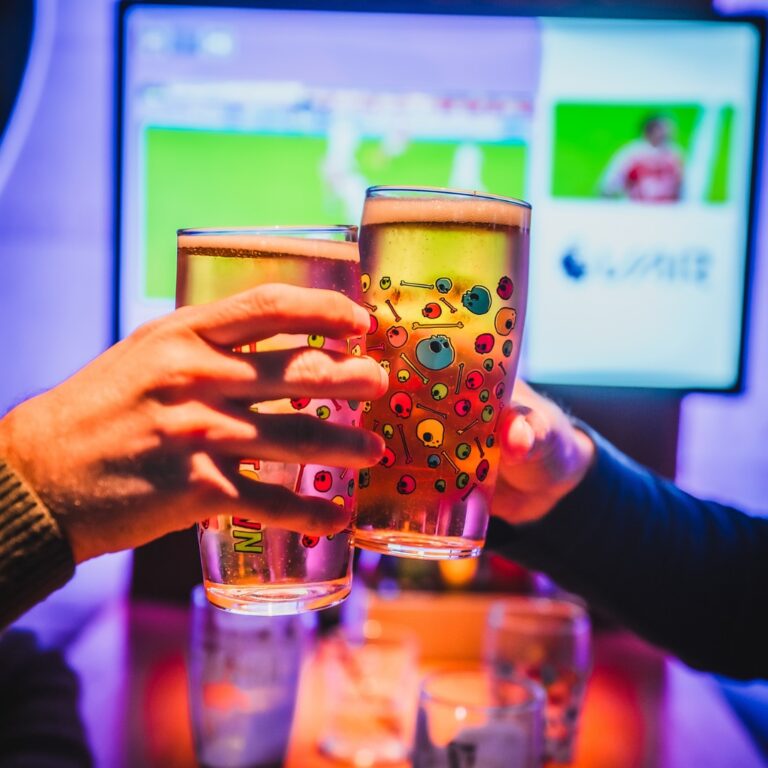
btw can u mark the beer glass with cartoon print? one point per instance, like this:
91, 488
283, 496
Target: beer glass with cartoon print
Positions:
444, 278
247, 567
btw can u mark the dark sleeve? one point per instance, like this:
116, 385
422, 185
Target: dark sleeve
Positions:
35, 557
687, 574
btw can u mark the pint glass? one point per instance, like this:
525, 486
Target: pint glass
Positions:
445, 280
249, 567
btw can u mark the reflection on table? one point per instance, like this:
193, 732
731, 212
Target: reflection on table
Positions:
641, 709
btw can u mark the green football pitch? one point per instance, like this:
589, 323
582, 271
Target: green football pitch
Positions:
203, 178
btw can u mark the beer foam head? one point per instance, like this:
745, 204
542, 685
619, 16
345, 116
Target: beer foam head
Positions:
260, 241
444, 206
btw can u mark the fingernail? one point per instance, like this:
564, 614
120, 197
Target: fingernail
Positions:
384, 378
377, 446
362, 318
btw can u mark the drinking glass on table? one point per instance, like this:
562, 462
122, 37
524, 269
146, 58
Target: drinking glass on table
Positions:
445, 278
475, 718
248, 567
548, 641
243, 680
370, 678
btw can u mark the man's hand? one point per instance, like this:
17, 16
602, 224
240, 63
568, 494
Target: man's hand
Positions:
147, 438
543, 457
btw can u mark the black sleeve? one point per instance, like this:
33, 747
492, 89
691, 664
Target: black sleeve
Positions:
687, 574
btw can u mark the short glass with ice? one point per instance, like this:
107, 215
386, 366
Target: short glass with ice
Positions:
445, 278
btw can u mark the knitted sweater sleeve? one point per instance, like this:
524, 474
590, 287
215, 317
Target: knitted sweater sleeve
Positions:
35, 557
687, 574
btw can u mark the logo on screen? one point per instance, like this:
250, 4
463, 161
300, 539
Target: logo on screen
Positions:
691, 266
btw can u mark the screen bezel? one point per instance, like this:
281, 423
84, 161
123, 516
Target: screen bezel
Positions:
692, 10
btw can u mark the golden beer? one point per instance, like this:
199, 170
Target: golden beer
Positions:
249, 567
445, 279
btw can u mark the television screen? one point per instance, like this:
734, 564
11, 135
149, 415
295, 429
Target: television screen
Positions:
632, 139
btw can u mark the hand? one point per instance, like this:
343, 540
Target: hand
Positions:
146, 438
543, 457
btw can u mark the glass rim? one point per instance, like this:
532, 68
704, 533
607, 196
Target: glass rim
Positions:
570, 616
373, 632
536, 693
383, 190
279, 229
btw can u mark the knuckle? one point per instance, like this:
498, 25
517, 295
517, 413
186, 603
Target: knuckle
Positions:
267, 300
310, 434
314, 366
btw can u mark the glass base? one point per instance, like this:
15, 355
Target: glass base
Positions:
417, 545
277, 599
355, 753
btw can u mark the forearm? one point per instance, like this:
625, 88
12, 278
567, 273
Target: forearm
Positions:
689, 575
35, 557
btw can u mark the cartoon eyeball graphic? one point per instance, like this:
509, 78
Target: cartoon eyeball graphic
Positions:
385, 365
462, 480
299, 403
323, 481
432, 310
488, 364
487, 413
490, 441
481, 472
484, 343
309, 541
505, 321
434, 461
403, 375
406, 484
474, 380
431, 432
435, 352
484, 395
353, 404
401, 404
350, 487
462, 407
440, 486
323, 412
364, 478
366, 406
385, 283
505, 288
477, 300
443, 284
316, 340
365, 282
397, 336
463, 450
388, 459
356, 350
507, 347
439, 391
373, 325
500, 389
388, 430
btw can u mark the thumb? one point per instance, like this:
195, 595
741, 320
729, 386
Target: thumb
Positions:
522, 432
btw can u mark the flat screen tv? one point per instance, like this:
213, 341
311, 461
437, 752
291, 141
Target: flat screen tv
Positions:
634, 141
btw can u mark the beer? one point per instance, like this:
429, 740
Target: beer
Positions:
249, 567
445, 280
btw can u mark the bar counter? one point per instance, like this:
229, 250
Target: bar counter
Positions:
642, 710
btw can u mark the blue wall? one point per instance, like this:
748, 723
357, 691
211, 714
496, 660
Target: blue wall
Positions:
56, 260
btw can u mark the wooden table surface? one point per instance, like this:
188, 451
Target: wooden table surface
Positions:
641, 711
